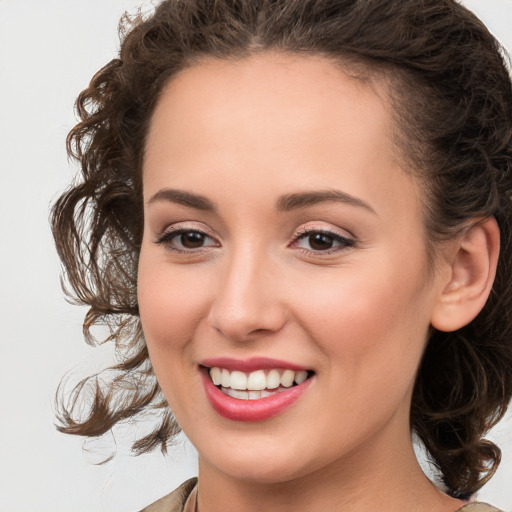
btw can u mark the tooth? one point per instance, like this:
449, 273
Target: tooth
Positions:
287, 378
265, 393
301, 376
241, 395
230, 392
216, 375
238, 380
226, 378
257, 381
273, 379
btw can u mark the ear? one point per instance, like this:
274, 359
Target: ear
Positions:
470, 262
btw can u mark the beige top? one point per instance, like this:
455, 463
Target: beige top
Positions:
183, 499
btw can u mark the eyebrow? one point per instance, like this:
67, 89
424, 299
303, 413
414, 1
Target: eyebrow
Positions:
298, 200
285, 203
184, 198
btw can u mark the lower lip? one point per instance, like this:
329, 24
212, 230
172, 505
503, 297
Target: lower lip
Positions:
252, 410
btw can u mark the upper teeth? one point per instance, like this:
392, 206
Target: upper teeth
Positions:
258, 380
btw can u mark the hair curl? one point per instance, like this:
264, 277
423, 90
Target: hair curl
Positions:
452, 101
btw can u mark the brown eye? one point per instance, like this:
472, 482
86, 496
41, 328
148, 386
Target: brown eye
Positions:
186, 240
192, 239
320, 241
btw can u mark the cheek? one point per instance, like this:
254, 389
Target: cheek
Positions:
373, 323
171, 304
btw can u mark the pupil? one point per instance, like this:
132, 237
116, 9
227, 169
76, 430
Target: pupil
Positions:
319, 241
192, 240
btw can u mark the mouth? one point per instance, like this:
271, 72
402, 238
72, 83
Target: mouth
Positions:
257, 384
255, 390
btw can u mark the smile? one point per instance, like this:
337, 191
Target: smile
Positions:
254, 390
257, 384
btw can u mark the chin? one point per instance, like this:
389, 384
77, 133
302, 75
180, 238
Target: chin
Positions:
260, 461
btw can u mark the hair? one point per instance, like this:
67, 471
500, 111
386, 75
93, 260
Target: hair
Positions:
451, 95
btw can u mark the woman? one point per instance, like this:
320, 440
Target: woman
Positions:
295, 217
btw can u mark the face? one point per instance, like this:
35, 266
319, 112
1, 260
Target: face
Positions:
282, 242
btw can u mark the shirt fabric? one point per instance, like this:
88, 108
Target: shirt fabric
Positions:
183, 499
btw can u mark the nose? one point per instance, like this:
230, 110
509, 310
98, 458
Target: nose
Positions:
247, 302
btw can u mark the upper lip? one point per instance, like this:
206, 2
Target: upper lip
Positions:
251, 365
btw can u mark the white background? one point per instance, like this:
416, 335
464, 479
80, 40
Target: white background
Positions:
49, 49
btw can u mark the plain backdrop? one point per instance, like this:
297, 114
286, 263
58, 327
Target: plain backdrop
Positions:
49, 49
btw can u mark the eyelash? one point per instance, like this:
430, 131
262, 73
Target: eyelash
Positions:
168, 237
345, 243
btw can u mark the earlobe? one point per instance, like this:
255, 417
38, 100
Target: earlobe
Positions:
470, 275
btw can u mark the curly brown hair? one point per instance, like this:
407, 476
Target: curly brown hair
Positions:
452, 102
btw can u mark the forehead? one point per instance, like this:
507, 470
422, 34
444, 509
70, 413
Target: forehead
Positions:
294, 92
271, 121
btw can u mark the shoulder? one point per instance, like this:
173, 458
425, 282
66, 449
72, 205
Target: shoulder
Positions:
478, 507
174, 501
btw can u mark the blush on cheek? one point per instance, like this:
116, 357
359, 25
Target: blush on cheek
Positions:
171, 305
371, 323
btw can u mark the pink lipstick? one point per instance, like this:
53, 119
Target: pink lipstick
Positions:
256, 389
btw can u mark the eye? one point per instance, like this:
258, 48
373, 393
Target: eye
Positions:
185, 240
322, 241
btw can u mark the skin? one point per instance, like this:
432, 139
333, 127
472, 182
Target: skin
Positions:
243, 134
